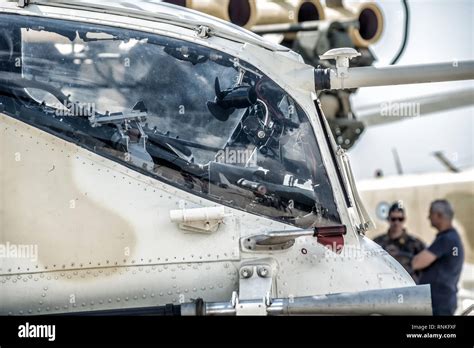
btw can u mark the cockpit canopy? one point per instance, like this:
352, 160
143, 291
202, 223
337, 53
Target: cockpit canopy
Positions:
191, 116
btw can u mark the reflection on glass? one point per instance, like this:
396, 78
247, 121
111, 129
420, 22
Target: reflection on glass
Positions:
185, 114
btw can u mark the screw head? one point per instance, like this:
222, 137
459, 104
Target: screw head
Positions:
246, 272
263, 272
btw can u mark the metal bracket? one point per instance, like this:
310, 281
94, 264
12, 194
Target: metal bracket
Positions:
118, 118
123, 122
203, 31
23, 3
363, 228
202, 220
255, 286
342, 57
250, 308
340, 151
255, 282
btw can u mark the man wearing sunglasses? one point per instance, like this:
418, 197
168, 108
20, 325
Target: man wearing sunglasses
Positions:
398, 243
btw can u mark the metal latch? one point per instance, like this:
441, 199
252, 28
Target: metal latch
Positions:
329, 236
273, 240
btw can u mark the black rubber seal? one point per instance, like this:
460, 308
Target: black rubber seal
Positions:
322, 79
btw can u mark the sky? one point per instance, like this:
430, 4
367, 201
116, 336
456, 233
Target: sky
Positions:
440, 31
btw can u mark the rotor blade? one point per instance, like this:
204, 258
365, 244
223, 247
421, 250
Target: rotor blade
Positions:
370, 76
382, 113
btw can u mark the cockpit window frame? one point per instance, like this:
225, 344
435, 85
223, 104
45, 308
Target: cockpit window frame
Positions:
169, 182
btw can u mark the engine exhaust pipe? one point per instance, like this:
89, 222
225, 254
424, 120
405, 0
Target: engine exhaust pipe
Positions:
247, 13
275, 12
371, 24
370, 19
240, 12
302, 11
288, 11
308, 10
214, 8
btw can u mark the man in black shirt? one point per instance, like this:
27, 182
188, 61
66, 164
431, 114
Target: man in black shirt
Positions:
397, 242
441, 263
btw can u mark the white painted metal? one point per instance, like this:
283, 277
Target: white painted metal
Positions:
103, 231
372, 115
400, 75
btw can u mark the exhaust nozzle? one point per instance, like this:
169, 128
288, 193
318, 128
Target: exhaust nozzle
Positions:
239, 12
370, 18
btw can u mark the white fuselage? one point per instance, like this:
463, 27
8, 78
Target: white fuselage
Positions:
103, 231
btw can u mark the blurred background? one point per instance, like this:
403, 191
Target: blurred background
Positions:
439, 31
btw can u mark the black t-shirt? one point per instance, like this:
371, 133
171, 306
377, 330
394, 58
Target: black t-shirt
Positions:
443, 274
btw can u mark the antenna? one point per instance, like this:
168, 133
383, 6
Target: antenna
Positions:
446, 162
398, 163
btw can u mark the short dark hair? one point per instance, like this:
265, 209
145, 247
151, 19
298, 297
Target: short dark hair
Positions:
396, 206
444, 207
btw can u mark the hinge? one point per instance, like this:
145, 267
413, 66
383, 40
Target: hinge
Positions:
203, 31
23, 3
363, 228
340, 151
255, 287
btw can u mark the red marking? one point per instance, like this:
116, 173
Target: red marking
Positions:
331, 237
334, 243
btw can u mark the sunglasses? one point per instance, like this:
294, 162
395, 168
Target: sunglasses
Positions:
397, 219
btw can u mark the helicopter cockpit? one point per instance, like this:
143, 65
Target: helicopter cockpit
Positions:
189, 115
